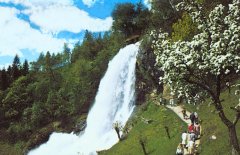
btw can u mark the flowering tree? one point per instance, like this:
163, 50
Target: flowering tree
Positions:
201, 66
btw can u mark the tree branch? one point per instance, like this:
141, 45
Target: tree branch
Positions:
225, 120
205, 87
218, 85
195, 75
217, 102
237, 117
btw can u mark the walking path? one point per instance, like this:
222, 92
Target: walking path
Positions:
178, 111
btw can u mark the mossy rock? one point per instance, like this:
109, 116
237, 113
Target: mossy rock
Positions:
42, 135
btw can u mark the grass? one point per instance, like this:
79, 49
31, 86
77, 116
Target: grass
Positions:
157, 141
212, 125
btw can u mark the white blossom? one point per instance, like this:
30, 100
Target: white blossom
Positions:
227, 71
237, 92
212, 51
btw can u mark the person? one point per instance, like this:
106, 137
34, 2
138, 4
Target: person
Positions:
184, 138
191, 146
192, 136
162, 101
195, 117
185, 116
192, 117
197, 129
180, 150
172, 102
191, 128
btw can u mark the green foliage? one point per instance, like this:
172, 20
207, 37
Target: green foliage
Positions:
66, 58
184, 28
25, 68
88, 49
123, 16
163, 14
56, 106
35, 115
13, 72
130, 19
17, 98
18, 131
142, 18
202, 1
4, 79
56, 88
15, 68
60, 86
38, 65
9, 149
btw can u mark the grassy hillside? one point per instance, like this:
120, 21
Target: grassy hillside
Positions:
157, 141
212, 125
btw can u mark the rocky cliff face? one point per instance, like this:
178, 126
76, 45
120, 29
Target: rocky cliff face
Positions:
147, 73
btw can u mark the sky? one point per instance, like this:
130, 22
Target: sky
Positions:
29, 27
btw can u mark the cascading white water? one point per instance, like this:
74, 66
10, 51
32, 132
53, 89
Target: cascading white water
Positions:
114, 102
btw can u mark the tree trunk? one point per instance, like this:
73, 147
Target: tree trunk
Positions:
234, 140
118, 133
231, 129
142, 143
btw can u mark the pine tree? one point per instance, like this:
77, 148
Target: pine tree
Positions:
25, 69
4, 83
16, 68
66, 54
48, 66
9, 74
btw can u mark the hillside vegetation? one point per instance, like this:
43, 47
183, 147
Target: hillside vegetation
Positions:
54, 92
157, 141
212, 124
154, 134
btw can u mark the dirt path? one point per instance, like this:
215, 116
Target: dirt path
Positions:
178, 111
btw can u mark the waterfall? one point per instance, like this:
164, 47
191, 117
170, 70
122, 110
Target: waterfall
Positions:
113, 102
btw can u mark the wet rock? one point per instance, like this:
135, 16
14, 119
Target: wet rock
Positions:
79, 127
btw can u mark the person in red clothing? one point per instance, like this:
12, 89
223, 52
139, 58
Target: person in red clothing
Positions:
191, 128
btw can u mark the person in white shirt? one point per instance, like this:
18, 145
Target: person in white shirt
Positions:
180, 150
184, 138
